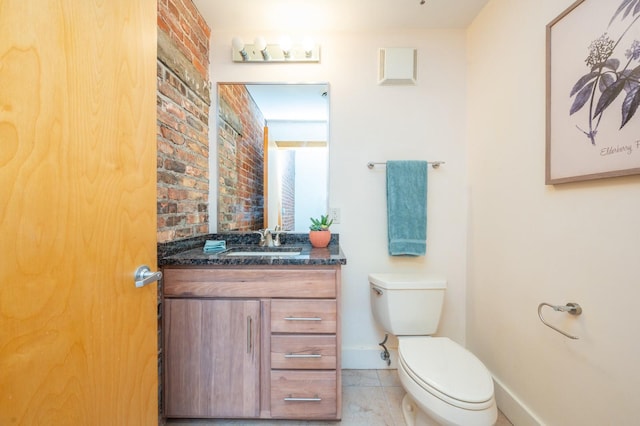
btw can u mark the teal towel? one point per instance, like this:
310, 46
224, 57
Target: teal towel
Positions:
214, 246
407, 207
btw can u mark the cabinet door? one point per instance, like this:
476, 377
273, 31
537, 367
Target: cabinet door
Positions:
212, 358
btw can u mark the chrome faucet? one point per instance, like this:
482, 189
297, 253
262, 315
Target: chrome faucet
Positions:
269, 238
277, 232
266, 239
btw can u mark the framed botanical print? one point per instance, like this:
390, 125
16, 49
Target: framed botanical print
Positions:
593, 91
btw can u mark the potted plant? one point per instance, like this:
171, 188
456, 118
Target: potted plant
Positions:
319, 233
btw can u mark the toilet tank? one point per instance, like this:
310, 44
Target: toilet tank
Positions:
407, 304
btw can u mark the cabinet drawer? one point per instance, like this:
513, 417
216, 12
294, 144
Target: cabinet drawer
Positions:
303, 394
303, 352
303, 316
254, 283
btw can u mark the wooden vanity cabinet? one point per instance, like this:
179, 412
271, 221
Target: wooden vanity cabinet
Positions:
212, 357
259, 342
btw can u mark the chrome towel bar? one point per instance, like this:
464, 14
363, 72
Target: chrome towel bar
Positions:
372, 164
571, 308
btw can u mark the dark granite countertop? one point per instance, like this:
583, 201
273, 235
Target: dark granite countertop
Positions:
189, 252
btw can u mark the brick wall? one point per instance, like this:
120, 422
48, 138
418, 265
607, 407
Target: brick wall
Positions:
183, 102
288, 189
240, 160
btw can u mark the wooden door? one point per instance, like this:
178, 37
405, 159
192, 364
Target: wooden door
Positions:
78, 341
212, 358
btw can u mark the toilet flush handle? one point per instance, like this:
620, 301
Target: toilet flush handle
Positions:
376, 290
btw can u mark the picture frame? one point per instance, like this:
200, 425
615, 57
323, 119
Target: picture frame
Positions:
593, 91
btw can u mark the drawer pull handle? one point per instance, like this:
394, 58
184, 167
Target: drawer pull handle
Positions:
249, 334
303, 319
303, 356
297, 399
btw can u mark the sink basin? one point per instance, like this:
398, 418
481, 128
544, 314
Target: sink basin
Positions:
263, 251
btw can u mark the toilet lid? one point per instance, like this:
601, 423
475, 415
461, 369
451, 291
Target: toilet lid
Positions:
441, 365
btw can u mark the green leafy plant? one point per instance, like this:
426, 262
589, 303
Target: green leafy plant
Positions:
321, 224
610, 78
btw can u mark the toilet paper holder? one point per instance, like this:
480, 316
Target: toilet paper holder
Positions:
571, 308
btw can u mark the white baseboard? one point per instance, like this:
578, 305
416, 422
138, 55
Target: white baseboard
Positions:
367, 358
513, 408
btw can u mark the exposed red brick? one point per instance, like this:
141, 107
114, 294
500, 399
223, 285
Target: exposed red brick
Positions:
240, 163
184, 233
173, 9
183, 126
199, 66
187, 183
162, 193
175, 220
177, 194
162, 25
173, 136
167, 178
166, 235
175, 111
174, 29
164, 148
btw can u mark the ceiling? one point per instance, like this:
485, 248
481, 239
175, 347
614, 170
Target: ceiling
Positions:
327, 15
337, 15
291, 102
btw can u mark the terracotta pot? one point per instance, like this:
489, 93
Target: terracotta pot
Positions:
319, 239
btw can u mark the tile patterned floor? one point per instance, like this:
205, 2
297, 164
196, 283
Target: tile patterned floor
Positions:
369, 397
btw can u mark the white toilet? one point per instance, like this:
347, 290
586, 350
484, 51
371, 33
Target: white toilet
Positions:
445, 383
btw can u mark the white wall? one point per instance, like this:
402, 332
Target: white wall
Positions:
531, 243
378, 123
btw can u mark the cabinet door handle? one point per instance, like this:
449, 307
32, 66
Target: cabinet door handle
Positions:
303, 356
292, 398
303, 319
249, 336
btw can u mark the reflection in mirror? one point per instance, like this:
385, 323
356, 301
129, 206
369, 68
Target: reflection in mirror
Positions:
273, 155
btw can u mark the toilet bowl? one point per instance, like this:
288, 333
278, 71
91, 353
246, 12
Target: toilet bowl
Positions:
445, 383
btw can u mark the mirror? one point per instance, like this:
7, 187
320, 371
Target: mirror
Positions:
272, 154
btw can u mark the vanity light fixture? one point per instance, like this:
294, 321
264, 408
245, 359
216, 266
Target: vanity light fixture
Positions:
286, 51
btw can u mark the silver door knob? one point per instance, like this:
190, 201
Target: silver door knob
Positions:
144, 276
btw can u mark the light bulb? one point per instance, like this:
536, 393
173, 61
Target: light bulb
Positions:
285, 45
260, 43
307, 45
237, 43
